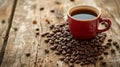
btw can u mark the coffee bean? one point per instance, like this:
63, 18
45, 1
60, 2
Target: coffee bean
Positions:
113, 51
63, 52
57, 52
27, 54
101, 58
43, 35
72, 60
53, 47
71, 65
117, 46
3, 21
62, 59
46, 51
15, 29
57, 2
41, 8
115, 43
37, 33
108, 44
48, 22
109, 40
72, 0
105, 53
65, 60
52, 11
51, 27
37, 29
103, 63
77, 61
47, 40
34, 22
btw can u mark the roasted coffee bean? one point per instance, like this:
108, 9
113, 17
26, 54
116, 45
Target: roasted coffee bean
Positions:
62, 59
3, 21
52, 11
57, 2
46, 41
113, 51
46, 51
77, 61
53, 47
105, 53
51, 27
71, 65
108, 44
57, 52
41, 8
63, 52
27, 54
66, 61
37, 33
117, 46
115, 43
43, 35
72, 60
37, 29
48, 22
109, 40
72, 0
103, 63
101, 58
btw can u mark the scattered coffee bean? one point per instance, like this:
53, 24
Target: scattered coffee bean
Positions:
101, 58
113, 51
108, 44
34, 22
103, 63
3, 21
48, 22
41, 8
15, 29
115, 43
52, 11
37, 33
72, 60
117, 46
109, 40
57, 2
43, 35
72, 0
61, 59
77, 61
57, 52
46, 51
37, 29
51, 27
53, 47
27, 54
105, 53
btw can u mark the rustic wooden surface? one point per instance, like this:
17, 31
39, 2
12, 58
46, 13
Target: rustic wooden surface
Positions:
25, 49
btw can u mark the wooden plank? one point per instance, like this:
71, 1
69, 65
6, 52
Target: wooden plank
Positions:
21, 47
5, 10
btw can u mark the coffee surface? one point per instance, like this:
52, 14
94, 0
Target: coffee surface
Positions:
83, 14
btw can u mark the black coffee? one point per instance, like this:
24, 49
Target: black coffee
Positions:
83, 14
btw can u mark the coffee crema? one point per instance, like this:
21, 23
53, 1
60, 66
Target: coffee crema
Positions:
83, 14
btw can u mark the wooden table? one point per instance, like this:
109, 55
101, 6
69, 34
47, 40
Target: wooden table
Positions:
19, 45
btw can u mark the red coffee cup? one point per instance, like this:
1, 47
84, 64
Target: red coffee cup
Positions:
86, 29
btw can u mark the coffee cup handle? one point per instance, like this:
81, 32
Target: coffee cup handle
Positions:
105, 20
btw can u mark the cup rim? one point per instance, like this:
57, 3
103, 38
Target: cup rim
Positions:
98, 15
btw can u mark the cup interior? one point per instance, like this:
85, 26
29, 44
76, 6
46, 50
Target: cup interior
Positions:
84, 7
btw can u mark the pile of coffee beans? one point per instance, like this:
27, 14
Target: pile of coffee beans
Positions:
82, 52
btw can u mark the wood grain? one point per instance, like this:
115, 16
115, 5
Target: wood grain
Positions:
26, 49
